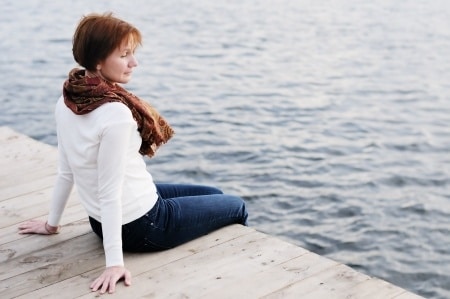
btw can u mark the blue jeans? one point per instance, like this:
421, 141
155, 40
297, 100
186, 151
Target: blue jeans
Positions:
181, 213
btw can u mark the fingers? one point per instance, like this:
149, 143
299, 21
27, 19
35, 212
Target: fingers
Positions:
33, 227
127, 278
108, 284
27, 224
24, 231
109, 278
96, 284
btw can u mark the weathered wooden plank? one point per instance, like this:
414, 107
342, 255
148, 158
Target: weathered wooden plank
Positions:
50, 265
408, 295
138, 263
74, 212
16, 250
27, 174
25, 166
24, 149
274, 278
373, 288
324, 284
18, 209
21, 149
27, 187
6, 133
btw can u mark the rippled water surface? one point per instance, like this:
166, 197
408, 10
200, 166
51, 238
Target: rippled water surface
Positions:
330, 118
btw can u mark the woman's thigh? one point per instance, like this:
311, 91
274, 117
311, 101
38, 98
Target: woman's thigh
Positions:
187, 218
181, 190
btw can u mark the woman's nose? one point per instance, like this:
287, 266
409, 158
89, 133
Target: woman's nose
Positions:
133, 61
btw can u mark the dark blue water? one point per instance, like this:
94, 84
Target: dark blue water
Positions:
331, 118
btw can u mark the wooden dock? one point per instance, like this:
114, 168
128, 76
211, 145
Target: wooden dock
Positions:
234, 262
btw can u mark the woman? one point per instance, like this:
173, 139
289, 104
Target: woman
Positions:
103, 131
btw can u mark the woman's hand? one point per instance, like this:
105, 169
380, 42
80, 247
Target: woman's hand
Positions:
38, 227
109, 278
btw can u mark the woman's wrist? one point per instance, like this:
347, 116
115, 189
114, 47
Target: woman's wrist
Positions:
52, 229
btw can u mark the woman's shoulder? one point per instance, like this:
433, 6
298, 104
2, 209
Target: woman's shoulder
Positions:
114, 113
109, 109
115, 109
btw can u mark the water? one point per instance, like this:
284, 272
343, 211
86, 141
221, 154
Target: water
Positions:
329, 117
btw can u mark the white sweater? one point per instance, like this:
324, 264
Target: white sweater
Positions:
98, 152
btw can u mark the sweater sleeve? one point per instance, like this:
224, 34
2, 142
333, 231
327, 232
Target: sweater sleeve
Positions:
62, 188
112, 155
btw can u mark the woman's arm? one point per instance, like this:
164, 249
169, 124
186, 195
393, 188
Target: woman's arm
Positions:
112, 159
61, 192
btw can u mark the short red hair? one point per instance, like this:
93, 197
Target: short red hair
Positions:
98, 35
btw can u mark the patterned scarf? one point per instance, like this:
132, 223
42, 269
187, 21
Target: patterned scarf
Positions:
83, 94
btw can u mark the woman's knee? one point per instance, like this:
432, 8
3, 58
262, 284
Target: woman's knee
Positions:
240, 209
212, 190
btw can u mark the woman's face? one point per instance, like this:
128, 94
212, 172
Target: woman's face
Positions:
118, 66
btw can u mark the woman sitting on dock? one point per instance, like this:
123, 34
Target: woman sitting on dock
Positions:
103, 131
